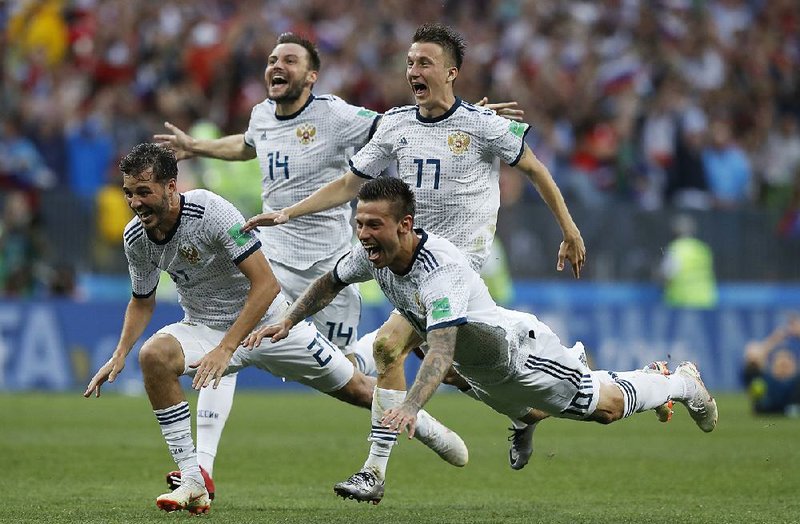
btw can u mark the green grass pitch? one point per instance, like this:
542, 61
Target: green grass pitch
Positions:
64, 458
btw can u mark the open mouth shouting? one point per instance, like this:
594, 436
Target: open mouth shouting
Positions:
420, 89
374, 252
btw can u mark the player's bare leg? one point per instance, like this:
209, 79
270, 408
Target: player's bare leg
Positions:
161, 360
393, 342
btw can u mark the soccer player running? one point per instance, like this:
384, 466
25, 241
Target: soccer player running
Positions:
226, 289
445, 149
511, 359
301, 142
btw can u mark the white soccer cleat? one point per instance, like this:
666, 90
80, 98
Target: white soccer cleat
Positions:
702, 406
442, 440
191, 496
664, 412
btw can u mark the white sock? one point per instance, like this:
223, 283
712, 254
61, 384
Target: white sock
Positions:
365, 360
644, 391
213, 408
383, 439
176, 426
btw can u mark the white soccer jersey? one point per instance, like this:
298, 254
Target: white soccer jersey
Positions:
447, 161
298, 154
200, 254
438, 290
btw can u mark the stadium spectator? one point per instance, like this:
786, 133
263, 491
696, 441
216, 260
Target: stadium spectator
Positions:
22, 247
727, 167
771, 372
688, 268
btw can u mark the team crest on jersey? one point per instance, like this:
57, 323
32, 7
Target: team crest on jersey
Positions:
190, 253
306, 133
458, 142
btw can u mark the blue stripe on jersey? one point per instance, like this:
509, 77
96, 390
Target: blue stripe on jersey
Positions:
336, 276
521, 149
374, 126
357, 172
401, 109
134, 238
460, 321
426, 265
137, 295
191, 214
255, 247
190, 205
477, 109
329, 98
427, 254
135, 230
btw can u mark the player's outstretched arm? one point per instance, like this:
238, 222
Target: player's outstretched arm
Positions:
231, 147
505, 109
435, 365
342, 190
264, 288
319, 294
137, 316
572, 247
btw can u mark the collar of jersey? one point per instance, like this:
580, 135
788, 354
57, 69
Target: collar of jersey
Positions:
423, 238
171, 232
296, 113
439, 118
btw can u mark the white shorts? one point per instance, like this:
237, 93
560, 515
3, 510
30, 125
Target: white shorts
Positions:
304, 356
338, 320
544, 375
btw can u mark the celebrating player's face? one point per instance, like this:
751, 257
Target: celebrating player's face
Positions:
429, 74
379, 232
147, 198
288, 73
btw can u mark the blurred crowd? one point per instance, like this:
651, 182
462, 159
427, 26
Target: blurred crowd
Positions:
665, 103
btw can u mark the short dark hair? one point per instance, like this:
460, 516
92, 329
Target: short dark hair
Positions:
305, 43
392, 190
146, 155
446, 37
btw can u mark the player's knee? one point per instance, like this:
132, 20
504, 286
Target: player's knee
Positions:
387, 351
158, 354
610, 406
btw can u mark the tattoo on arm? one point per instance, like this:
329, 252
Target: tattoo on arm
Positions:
434, 367
318, 295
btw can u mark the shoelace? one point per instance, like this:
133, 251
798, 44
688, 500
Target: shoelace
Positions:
516, 434
363, 477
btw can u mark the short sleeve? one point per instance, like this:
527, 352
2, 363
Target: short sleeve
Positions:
143, 272
354, 125
353, 267
445, 295
506, 138
249, 135
375, 156
223, 223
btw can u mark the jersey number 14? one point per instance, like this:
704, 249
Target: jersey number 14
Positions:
275, 164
